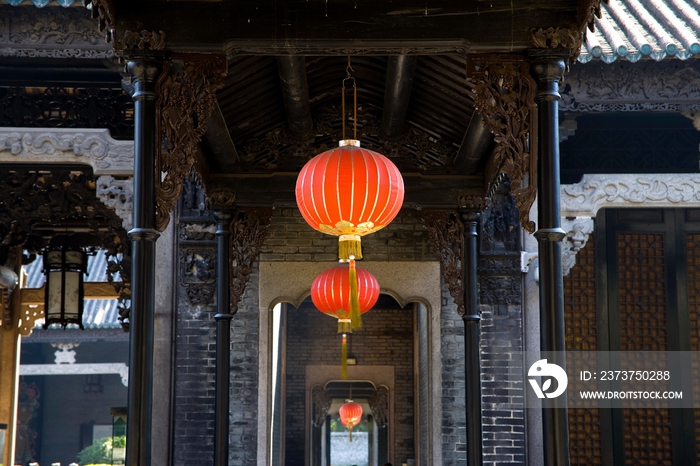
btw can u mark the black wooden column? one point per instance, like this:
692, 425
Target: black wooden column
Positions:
223, 338
472, 318
548, 71
144, 72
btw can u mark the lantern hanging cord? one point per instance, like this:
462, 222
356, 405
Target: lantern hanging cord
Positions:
349, 69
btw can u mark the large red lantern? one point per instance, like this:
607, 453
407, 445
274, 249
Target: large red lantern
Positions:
331, 294
350, 415
349, 192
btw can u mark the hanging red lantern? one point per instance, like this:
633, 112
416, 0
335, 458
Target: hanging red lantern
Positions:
349, 192
331, 294
350, 415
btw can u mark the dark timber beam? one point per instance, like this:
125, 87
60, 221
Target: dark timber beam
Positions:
399, 80
477, 144
217, 143
295, 90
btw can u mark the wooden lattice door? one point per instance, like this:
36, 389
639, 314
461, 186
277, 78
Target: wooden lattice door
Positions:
636, 287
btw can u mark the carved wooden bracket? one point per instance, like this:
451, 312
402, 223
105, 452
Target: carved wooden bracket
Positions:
103, 10
447, 233
505, 95
186, 98
248, 231
322, 403
379, 404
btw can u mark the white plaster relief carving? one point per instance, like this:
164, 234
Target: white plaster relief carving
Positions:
119, 368
94, 147
595, 192
118, 195
65, 353
577, 233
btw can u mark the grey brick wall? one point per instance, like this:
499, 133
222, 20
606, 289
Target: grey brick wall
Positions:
291, 239
386, 339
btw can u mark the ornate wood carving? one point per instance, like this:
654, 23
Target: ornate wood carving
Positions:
322, 403
400, 48
505, 95
552, 38
447, 233
118, 195
281, 150
588, 11
248, 231
140, 42
379, 404
103, 10
36, 202
186, 98
80, 107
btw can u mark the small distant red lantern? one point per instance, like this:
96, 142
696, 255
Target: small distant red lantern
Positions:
350, 415
331, 294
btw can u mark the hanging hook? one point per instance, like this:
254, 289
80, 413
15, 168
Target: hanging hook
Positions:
348, 70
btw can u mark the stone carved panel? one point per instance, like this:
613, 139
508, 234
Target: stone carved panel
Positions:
499, 228
94, 147
577, 233
198, 274
501, 292
619, 87
594, 192
447, 234
118, 195
51, 33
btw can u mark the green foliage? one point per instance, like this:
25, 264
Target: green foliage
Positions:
100, 452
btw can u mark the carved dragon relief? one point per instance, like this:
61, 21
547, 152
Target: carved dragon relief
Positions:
447, 233
248, 230
505, 95
186, 98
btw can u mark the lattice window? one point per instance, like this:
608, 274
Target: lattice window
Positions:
580, 314
693, 265
642, 307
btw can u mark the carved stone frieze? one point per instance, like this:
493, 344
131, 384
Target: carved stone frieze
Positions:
447, 234
501, 292
119, 195
198, 274
94, 147
248, 230
222, 198
577, 233
51, 33
621, 87
197, 232
594, 192
414, 151
471, 202
379, 404
505, 95
186, 98
322, 403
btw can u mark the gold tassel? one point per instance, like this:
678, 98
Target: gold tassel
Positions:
349, 247
350, 429
344, 359
355, 318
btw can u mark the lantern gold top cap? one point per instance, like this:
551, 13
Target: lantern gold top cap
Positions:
349, 142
